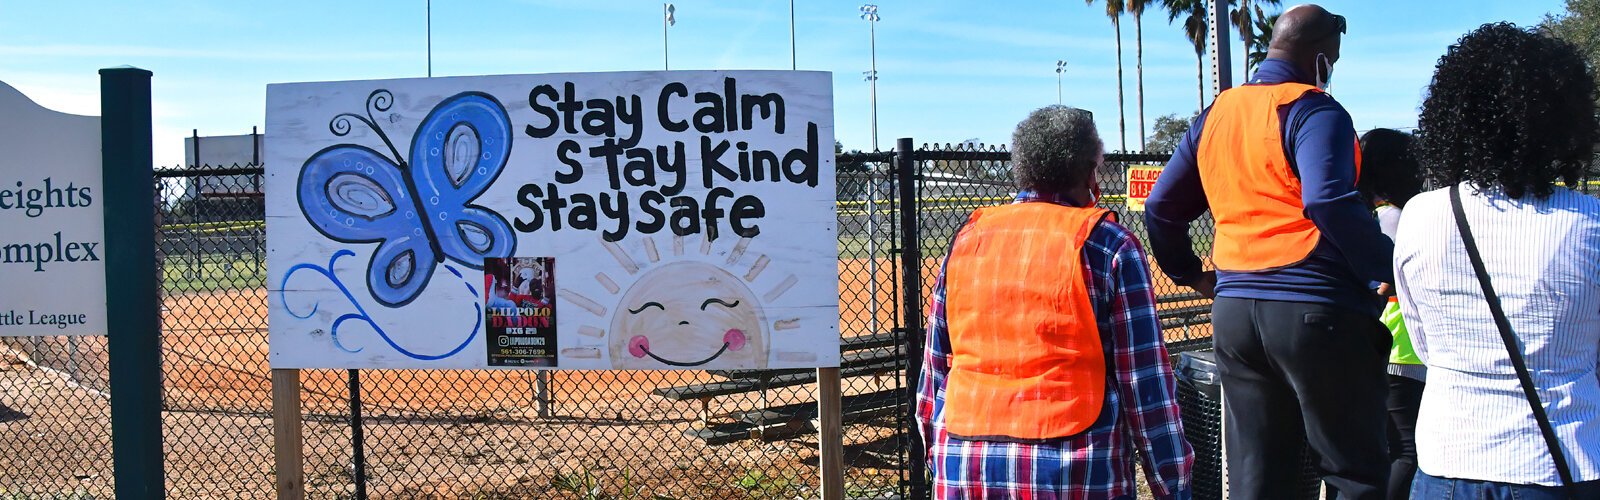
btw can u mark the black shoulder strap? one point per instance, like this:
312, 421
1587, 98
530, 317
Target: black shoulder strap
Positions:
1510, 341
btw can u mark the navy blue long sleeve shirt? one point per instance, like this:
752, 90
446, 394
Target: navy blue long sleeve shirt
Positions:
1352, 255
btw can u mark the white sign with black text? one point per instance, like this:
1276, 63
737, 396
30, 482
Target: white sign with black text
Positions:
52, 279
637, 220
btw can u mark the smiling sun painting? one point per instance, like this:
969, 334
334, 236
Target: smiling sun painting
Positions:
687, 309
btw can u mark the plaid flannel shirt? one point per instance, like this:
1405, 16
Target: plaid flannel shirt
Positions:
1140, 411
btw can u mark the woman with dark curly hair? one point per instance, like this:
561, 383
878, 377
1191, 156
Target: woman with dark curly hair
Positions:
1499, 273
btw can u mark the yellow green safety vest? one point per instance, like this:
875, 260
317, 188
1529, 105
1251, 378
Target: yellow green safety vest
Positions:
1401, 352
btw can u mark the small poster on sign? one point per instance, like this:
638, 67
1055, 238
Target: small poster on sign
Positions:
519, 311
1141, 180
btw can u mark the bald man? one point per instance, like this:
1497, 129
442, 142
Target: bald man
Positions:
1298, 259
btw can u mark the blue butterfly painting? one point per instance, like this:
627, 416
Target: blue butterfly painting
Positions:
417, 208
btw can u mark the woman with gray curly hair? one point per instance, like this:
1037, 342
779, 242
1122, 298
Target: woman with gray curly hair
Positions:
1056, 149
1044, 367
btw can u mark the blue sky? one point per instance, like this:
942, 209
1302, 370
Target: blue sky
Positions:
949, 70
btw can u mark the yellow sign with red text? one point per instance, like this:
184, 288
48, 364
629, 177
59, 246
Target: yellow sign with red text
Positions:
1141, 179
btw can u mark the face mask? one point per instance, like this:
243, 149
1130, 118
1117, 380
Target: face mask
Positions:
1324, 71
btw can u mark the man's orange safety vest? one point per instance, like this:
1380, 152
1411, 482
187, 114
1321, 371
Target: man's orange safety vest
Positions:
1026, 358
1253, 192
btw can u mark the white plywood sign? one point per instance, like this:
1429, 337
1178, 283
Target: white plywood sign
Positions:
52, 279
640, 220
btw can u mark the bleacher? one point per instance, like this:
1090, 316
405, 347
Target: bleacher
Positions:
878, 355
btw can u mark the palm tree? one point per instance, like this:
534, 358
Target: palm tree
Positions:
1194, 28
1114, 10
1244, 22
1136, 7
1262, 38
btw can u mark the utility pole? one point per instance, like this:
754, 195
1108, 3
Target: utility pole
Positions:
793, 65
1221, 56
668, 18
430, 38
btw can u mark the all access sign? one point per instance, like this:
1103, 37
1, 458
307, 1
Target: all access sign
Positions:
1141, 180
52, 279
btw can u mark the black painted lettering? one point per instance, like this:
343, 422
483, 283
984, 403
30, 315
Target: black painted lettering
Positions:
746, 209
553, 204
618, 212
730, 89
807, 158
662, 113
744, 160
771, 106
711, 162
633, 119
685, 216
549, 113
766, 165
564, 152
678, 166
650, 202
600, 119
528, 196
582, 215
709, 119
569, 106
610, 150
712, 213
641, 169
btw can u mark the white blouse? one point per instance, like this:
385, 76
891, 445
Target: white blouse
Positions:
1543, 257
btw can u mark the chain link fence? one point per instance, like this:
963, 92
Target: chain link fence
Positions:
55, 418
494, 434
509, 433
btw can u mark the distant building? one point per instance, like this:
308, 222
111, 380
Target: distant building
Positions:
209, 191
223, 152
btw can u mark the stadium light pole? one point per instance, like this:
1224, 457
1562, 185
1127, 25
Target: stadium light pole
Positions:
869, 12
1061, 67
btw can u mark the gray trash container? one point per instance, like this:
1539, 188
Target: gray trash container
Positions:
1200, 399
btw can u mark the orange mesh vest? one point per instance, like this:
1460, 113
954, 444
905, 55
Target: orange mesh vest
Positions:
1026, 359
1254, 194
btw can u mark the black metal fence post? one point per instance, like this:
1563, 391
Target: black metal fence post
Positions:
357, 437
911, 281
134, 320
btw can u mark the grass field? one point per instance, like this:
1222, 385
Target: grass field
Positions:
212, 272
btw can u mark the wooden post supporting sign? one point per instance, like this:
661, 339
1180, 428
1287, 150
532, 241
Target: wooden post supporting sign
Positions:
288, 446
830, 442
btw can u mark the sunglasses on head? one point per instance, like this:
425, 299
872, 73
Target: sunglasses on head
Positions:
1339, 23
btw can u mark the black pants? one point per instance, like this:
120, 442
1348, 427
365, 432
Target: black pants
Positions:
1405, 398
1298, 373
